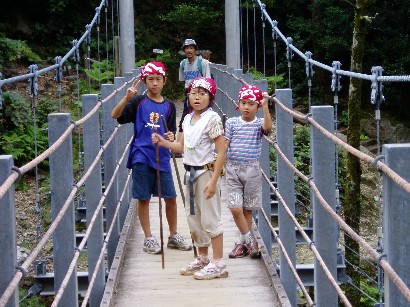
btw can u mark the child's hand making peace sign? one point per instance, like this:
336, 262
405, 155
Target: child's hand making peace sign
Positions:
133, 90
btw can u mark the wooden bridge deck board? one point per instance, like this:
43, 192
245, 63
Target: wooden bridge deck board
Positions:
143, 282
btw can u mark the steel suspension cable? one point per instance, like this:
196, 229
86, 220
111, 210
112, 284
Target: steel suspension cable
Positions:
264, 45
241, 30
247, 33
113, 35
254, 30
98, 48
106, 32
380, 248
274, 37
88, 42
33, 93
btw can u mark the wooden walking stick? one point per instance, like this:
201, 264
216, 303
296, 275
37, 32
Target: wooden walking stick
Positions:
154, 120
179, 181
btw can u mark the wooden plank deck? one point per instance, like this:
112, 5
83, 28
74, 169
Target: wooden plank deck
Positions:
143, 282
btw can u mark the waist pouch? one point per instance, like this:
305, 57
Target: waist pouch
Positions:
192, 170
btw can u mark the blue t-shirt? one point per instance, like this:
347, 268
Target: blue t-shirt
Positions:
139, 111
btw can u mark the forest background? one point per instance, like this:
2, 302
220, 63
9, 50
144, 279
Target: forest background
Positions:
34, 30
38, 31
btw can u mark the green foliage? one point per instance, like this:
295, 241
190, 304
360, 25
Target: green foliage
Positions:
189, 18
17, 127
45, 106
13, 50
363, 137
302, 161
274, 82
344, 118
301, 143
372, 291
16, 112
20, 143
100, 72
34, 301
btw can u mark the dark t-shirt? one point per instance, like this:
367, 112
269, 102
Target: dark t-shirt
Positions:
138, 111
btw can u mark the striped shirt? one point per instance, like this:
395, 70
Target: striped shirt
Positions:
245, 139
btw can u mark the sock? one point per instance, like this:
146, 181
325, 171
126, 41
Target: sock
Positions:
246, 238
219, 262
204, 258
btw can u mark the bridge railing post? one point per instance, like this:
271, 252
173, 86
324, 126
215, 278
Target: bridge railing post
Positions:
263, 226
230, 90
396, 202
325, 229
93, 194
121, 142
223, 84
286, 187
61, 183
110, 162
8, 250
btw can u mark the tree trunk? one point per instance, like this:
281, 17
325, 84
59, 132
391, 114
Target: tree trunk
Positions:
352, 207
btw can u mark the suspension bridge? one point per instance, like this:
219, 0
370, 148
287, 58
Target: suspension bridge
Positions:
97, 194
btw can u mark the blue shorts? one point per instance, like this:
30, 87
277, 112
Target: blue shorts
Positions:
144, 183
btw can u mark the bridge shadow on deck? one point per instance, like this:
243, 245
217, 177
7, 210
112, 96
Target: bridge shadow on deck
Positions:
141, 281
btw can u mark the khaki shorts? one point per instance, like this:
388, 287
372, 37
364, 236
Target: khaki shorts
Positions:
207, 222
244, 185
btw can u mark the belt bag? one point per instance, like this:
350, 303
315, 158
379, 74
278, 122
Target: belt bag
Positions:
191, 169
207, 167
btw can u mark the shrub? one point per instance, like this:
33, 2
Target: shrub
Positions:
12, 50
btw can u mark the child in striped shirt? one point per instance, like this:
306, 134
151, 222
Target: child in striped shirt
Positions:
243, 173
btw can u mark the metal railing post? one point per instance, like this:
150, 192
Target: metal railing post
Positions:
93, 193
8, 250
396, 203
121, 142
286, 187
61, 183
263, 226
110, 163
324, 227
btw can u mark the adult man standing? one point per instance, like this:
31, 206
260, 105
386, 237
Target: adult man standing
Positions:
191, 67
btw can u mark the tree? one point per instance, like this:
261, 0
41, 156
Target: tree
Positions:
352, 206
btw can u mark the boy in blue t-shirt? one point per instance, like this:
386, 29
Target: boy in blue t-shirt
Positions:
145, 111
243, 173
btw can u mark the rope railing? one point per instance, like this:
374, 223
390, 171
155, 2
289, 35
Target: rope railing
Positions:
305, 236
308, 241
377, 257
288, 260
362, 156
93, 218
16, 174
107, 237
36, 251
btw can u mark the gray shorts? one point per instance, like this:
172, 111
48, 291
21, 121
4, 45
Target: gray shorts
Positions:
244, 185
